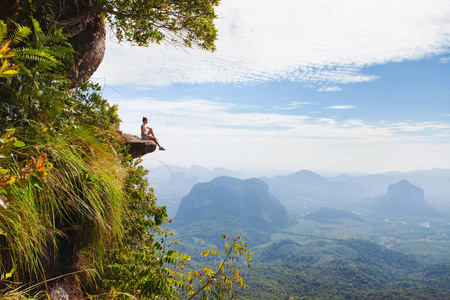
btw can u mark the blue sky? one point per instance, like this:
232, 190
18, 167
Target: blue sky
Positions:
352, 86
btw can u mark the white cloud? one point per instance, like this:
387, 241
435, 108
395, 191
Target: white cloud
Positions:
292, 105
312, 41
212, 134
340, 107
330, 89
419, 127
142, 88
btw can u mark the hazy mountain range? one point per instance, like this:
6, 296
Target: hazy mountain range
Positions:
248, 207
435, 182
305, 189
308, 188
310, 233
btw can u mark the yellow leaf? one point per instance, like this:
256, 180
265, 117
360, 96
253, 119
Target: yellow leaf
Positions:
4, 65
207, 271
10, 71
5, 45
9, 181
9, 275
41, 160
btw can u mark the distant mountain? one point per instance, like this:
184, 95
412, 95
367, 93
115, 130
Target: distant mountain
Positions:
175, 175
310, 187
231, 205
404, 199
330, 215
434, 181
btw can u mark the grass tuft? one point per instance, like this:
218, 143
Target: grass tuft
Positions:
74, 217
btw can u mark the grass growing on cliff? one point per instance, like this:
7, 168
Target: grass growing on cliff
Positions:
86, 189
80, 205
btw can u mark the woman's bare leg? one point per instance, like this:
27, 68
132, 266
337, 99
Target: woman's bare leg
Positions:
156, 142
153, 138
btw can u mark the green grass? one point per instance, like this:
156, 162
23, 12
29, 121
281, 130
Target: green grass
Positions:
80, 206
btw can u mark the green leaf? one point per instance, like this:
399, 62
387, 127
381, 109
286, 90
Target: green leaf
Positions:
23, 183
19, 144
41, 173
36, 182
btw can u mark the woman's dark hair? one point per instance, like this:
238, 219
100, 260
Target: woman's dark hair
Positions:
144, 119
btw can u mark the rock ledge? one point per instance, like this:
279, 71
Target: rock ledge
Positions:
138, 146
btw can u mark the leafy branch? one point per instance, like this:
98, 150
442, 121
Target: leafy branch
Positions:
219, 283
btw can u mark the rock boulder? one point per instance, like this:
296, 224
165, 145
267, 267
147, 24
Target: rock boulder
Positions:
138, 147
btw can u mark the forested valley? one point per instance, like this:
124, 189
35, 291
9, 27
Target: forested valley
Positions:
331, 248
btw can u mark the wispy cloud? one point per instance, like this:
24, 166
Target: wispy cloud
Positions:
330, 89
317, 42
196, 117
340, 107
207, 132
292, 105
142, 88
420, 126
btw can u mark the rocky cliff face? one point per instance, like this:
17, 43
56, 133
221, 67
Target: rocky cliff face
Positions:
82, 20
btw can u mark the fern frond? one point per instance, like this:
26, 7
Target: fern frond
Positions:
37, 30
62, 53
38, 55
19, 34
